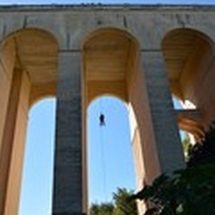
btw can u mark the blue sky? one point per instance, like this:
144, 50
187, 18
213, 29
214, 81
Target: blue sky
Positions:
110, 154
38, 165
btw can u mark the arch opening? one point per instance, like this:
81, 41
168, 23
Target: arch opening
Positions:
109, 149
37, 176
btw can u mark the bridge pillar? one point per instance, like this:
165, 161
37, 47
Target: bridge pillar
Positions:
13, 142
68, 178
164, 124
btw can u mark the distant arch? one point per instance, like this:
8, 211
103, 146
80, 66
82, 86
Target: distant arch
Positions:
189, 59
179, 46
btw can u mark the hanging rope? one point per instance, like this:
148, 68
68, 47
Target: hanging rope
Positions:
103, 163
102, 143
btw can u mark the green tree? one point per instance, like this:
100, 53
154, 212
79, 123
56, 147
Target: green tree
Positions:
122, 204
107, 208
189, 191
94, 209
102, 209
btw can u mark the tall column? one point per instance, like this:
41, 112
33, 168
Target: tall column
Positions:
18, 146
68, 180
164, 124
11, 152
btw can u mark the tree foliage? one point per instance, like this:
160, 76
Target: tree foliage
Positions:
189, 191
103, 208
120, 205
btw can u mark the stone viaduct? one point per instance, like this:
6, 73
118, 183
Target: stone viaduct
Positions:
141, 54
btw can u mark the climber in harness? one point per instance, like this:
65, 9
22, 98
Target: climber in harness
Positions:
102, 119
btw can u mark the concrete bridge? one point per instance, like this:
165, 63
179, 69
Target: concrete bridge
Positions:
142, 54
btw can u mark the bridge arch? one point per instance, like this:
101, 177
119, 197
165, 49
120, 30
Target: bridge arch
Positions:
28, 69
112, 66
189, 59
